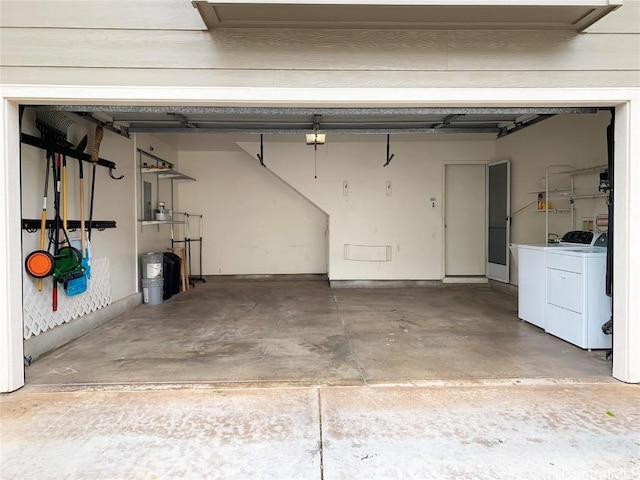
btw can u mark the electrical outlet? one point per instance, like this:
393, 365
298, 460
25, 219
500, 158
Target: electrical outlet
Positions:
388, 188
345, 188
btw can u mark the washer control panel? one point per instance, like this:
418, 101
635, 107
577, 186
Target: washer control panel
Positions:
581, 237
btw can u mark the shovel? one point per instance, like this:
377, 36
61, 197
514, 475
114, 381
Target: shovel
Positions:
79, 285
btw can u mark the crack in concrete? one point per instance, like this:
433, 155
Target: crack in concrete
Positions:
320, 439
353, 350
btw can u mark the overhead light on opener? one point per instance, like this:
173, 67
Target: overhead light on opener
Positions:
316, 138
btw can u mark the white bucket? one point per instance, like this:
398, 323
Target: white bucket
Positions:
163, 215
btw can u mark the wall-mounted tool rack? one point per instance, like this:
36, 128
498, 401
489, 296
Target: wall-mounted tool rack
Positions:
67, 150
32, 225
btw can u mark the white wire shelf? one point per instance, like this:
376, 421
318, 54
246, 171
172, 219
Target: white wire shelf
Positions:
161, 222
167, 173
583, 171
552, 191
554, 210
578, 196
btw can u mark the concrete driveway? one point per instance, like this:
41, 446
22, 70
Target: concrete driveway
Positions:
504, 429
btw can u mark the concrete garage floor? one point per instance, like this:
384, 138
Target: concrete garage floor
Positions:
298, 333
416, 383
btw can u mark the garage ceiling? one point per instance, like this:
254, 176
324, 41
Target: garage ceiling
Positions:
573, 15
258, 120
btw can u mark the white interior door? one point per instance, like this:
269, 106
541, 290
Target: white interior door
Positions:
498, 220
465, 219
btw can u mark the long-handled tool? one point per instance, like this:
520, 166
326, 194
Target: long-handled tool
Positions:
64, 191
56, 236
94, 159
79, 285
40, 263
83, 236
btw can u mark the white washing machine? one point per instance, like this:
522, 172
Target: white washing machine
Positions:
577, 304
532, 276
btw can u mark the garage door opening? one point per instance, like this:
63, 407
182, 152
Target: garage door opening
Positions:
374, 223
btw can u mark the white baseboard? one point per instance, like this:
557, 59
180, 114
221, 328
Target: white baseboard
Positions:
383, 283
465, 280
38, 345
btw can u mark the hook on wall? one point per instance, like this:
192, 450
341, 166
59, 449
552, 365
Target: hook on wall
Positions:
261, 154
115, 178
389, 157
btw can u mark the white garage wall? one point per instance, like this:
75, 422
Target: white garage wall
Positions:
253, 222
367, 220
577, 140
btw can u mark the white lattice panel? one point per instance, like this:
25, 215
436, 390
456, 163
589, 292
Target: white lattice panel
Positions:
38, 315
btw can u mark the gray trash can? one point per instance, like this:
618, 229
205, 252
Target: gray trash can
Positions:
152, 290
151, 265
